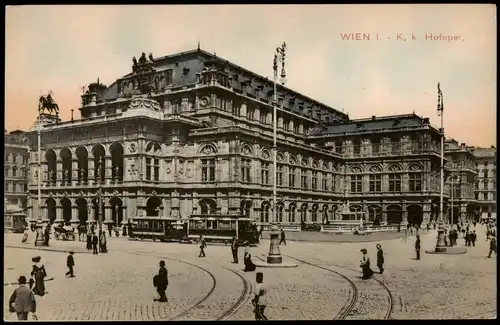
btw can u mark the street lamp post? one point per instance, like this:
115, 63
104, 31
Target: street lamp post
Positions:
440, 245
274, 256
39, 165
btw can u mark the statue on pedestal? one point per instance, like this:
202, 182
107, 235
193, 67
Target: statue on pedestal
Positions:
82, 175
66, 175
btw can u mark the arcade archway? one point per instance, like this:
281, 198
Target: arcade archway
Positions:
116, 210
83, 213
394, 214
51, 209
66, 210
153, 206
415, 214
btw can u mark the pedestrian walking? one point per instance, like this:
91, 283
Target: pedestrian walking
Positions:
202, 244
365, 265
493, 246
89, 241
247, 259
467, 239
406, 234
46, 235
282, 237
38, 274
70, 263
380, 258
473, 238
260, 232
103, 243
234, 250
417, 247
260, 301
22, 301
95, 242
160, 281
110, 228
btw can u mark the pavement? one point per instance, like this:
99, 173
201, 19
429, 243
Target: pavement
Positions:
118, 285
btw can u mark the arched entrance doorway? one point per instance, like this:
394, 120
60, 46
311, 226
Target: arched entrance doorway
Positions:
51, 209
51, 158
208, 206
375, 214
303, 213
394, 214
83, 214
324, 214
82, 157
415, 214
66, 158
116, 211
246, 206
66, 210
116, 150
153, 206
99, 166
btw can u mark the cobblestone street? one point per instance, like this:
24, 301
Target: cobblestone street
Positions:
118, 285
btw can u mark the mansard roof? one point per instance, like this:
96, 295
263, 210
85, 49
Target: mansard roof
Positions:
167, 62
372, 125
484, 152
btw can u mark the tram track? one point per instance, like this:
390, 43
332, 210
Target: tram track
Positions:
231, 310
349, 307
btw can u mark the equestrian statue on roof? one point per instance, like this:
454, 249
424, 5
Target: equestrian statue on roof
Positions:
47, 103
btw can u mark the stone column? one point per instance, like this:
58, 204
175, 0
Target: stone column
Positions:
426, 210
91, 166
59, 214
74, 216
45, 213
108, 169
125, 215
74, 171
59, 173
405, 217
91, 213
108, 214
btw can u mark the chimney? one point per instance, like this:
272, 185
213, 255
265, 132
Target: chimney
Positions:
374, 117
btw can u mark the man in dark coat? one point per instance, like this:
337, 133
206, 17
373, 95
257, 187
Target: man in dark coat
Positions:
161, 282
95, 242
417, 247
22, 300
89, 241
282, 239
473, 237
70, 262
234, 250
493, 246
47, 235
380, 258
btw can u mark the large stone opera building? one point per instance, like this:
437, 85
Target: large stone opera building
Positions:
191, 133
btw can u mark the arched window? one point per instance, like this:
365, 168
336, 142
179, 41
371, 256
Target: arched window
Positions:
314, 213
291, 213
279, 212
264, 212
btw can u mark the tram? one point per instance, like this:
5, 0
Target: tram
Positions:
217, 228
214, 228
158, 228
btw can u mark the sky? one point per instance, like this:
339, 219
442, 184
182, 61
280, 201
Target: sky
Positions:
396, 71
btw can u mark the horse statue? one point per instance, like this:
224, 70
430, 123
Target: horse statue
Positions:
48, 104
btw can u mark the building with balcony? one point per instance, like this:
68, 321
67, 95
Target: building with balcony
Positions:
16, 156
191, 133
485, 189
460, 180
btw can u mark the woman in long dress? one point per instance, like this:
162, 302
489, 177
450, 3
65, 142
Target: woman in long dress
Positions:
38, 275
247, 259
365, 265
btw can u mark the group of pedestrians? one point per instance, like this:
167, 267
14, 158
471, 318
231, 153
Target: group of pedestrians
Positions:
247, 257
365, 265
97, 244
22, 301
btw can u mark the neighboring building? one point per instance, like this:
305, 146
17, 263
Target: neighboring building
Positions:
16, 168
486, 187
460, 177
203, 144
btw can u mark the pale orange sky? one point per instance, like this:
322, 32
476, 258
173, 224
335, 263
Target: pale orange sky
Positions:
63, 48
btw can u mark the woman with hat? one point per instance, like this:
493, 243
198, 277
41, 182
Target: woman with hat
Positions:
38, 275
365, 265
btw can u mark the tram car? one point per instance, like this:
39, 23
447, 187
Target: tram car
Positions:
213, 228
217, 228
158, 228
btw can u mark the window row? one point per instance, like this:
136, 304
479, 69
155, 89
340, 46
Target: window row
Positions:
375, 183
16, 158
12, 187
293, 213
15, 172
485, 196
